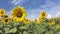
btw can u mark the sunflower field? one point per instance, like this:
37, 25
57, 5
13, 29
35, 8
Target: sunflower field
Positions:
19, 24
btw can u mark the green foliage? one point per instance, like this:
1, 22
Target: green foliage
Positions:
32, 28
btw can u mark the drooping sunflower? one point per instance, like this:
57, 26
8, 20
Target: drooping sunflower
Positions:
52, 23
2, 12
27, 21
18, 13
43, 15
6, 21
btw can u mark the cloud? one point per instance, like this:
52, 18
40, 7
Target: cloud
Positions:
56, 10
32, 17
52, 8
49, 16
8, 13
58, 14
48, 3
13, 1
33, 13
16, 2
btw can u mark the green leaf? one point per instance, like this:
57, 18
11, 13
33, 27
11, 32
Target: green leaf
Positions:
13, 30
49, 32
6, 30
1, 25
0, 31
22, 27
25, 32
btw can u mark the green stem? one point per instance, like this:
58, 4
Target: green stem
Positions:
22, 31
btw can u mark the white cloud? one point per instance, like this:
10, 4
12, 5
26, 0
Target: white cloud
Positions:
49, 16
55, 11
16, 2
8, 13
58, 14
33, 13
52, 8
13, 1
32, 17
49, 3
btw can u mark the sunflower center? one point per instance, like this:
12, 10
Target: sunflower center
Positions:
19, 13
5, 16
2, 12
43, 14
6, 20
26, 20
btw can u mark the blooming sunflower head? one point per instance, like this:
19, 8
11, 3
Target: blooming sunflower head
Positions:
27, 21
43, 14
6, 21
2, 12
18, 13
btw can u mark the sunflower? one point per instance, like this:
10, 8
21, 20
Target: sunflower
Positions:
35, 20
2, 12
18, 13
39, 21
5, 16
43, 15
58, 26
27, 21
52, 23
6, 21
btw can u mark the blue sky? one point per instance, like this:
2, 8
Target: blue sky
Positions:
33, 7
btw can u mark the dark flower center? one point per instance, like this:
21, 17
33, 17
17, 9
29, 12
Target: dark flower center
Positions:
19, 13
5, 16
26, 20
43, 14
2, 12
6, 20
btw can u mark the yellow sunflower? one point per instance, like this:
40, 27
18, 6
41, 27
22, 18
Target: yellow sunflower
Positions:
2, 12
58, 26
18, 13
38, 21
5, 16
27, 21
43, 15
52, 23
6, 21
